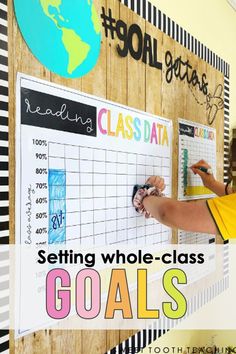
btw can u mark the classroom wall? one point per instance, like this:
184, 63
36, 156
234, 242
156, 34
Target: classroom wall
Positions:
213, 22
142, 82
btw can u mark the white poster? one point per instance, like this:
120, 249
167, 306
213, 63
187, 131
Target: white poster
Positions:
77, 160
196, 142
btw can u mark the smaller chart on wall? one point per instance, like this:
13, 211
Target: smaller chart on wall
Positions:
196, 142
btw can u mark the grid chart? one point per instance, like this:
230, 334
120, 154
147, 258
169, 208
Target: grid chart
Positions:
90, 192
191, 152
196, 151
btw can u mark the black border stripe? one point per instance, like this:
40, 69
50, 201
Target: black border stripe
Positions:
185, 38
4, 2
4, 181
3, 75
144, 8
139, 341
3, 150
226, 82
4, 196
4, 240
4, 225
149, 12
177, 33
4, 121
133, 341
4, 165
154, 16
150, 336
189, 38
144, 335
226, 94
227, 125
4, 346
3, 333
164, 22
4, 136
168, 26
4, 90
3, 14
3, 61
173, 29
4, 210
138, 8
3, 106
132, 5
159, 19
3, 45
3, 29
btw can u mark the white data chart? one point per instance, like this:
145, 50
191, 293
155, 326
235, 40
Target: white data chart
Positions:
78, 158
196, 142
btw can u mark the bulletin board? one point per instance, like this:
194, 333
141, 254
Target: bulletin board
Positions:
156, 68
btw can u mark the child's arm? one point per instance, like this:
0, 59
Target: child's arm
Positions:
189, 216
209, 180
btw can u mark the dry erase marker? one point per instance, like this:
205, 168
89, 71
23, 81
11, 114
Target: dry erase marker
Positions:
206, 170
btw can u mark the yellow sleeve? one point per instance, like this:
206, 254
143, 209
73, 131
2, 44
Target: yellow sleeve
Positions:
223, 211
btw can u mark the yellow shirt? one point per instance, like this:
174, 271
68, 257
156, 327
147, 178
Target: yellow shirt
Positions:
223, 210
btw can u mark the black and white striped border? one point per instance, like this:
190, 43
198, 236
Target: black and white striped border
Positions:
4, 173
226, 128
152, 14
4, 181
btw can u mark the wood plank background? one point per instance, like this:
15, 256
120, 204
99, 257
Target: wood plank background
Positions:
128, 82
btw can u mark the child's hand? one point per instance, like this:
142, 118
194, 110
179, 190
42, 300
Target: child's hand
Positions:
207, 179
157, 182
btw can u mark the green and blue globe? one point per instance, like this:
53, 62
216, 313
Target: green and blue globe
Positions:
64, 35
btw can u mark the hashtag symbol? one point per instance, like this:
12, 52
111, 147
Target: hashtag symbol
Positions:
109, 23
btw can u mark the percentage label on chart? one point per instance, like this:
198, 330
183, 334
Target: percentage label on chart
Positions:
39, 142
41, 231
41, 215
41, 186
41, 171
41, 156
41, 200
